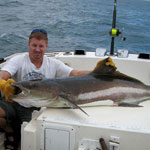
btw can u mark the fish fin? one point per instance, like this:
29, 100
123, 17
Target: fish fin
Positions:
123, 104
70, 101
120, 75
107, 67
104, 66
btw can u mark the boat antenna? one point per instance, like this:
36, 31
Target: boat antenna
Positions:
114, 32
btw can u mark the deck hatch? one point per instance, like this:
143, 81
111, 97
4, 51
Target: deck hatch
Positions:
55, 136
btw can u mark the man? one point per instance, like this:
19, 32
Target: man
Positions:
28, 66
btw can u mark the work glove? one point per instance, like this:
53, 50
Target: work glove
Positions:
7, 89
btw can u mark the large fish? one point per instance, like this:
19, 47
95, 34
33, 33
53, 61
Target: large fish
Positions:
103, 83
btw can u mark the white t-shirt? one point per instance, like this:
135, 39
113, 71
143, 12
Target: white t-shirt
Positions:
21, 68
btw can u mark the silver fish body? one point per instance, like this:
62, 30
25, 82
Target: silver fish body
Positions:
81, 90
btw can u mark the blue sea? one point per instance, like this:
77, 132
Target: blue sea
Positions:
74, 24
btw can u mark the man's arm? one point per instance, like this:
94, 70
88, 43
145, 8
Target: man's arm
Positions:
4, 75
78, 73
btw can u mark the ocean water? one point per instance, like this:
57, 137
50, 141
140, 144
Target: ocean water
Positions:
74, 24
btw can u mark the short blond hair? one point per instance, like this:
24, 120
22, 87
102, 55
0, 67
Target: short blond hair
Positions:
39, 36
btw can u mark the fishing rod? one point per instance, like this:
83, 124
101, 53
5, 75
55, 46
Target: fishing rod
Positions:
114, 32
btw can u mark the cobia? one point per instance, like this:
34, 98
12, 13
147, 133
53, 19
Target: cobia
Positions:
103, 83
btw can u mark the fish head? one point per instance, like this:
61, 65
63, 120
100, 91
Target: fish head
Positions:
34, 93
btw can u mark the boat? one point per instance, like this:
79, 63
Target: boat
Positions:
122, 128
106, 127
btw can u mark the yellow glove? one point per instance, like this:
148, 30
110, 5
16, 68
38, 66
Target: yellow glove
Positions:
7, 89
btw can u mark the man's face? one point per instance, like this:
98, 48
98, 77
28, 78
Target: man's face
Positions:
37, 48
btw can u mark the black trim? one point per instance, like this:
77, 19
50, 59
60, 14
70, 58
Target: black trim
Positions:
144, 56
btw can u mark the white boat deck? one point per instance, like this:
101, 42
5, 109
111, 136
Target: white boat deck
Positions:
130, 126
121, 118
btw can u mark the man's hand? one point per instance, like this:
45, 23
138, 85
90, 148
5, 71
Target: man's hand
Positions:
6, 88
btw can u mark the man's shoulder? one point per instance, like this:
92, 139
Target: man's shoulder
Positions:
20, 56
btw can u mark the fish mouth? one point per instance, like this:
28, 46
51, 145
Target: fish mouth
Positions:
23, 96
19, 90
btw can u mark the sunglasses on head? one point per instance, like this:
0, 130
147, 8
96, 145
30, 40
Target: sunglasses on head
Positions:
39, 30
